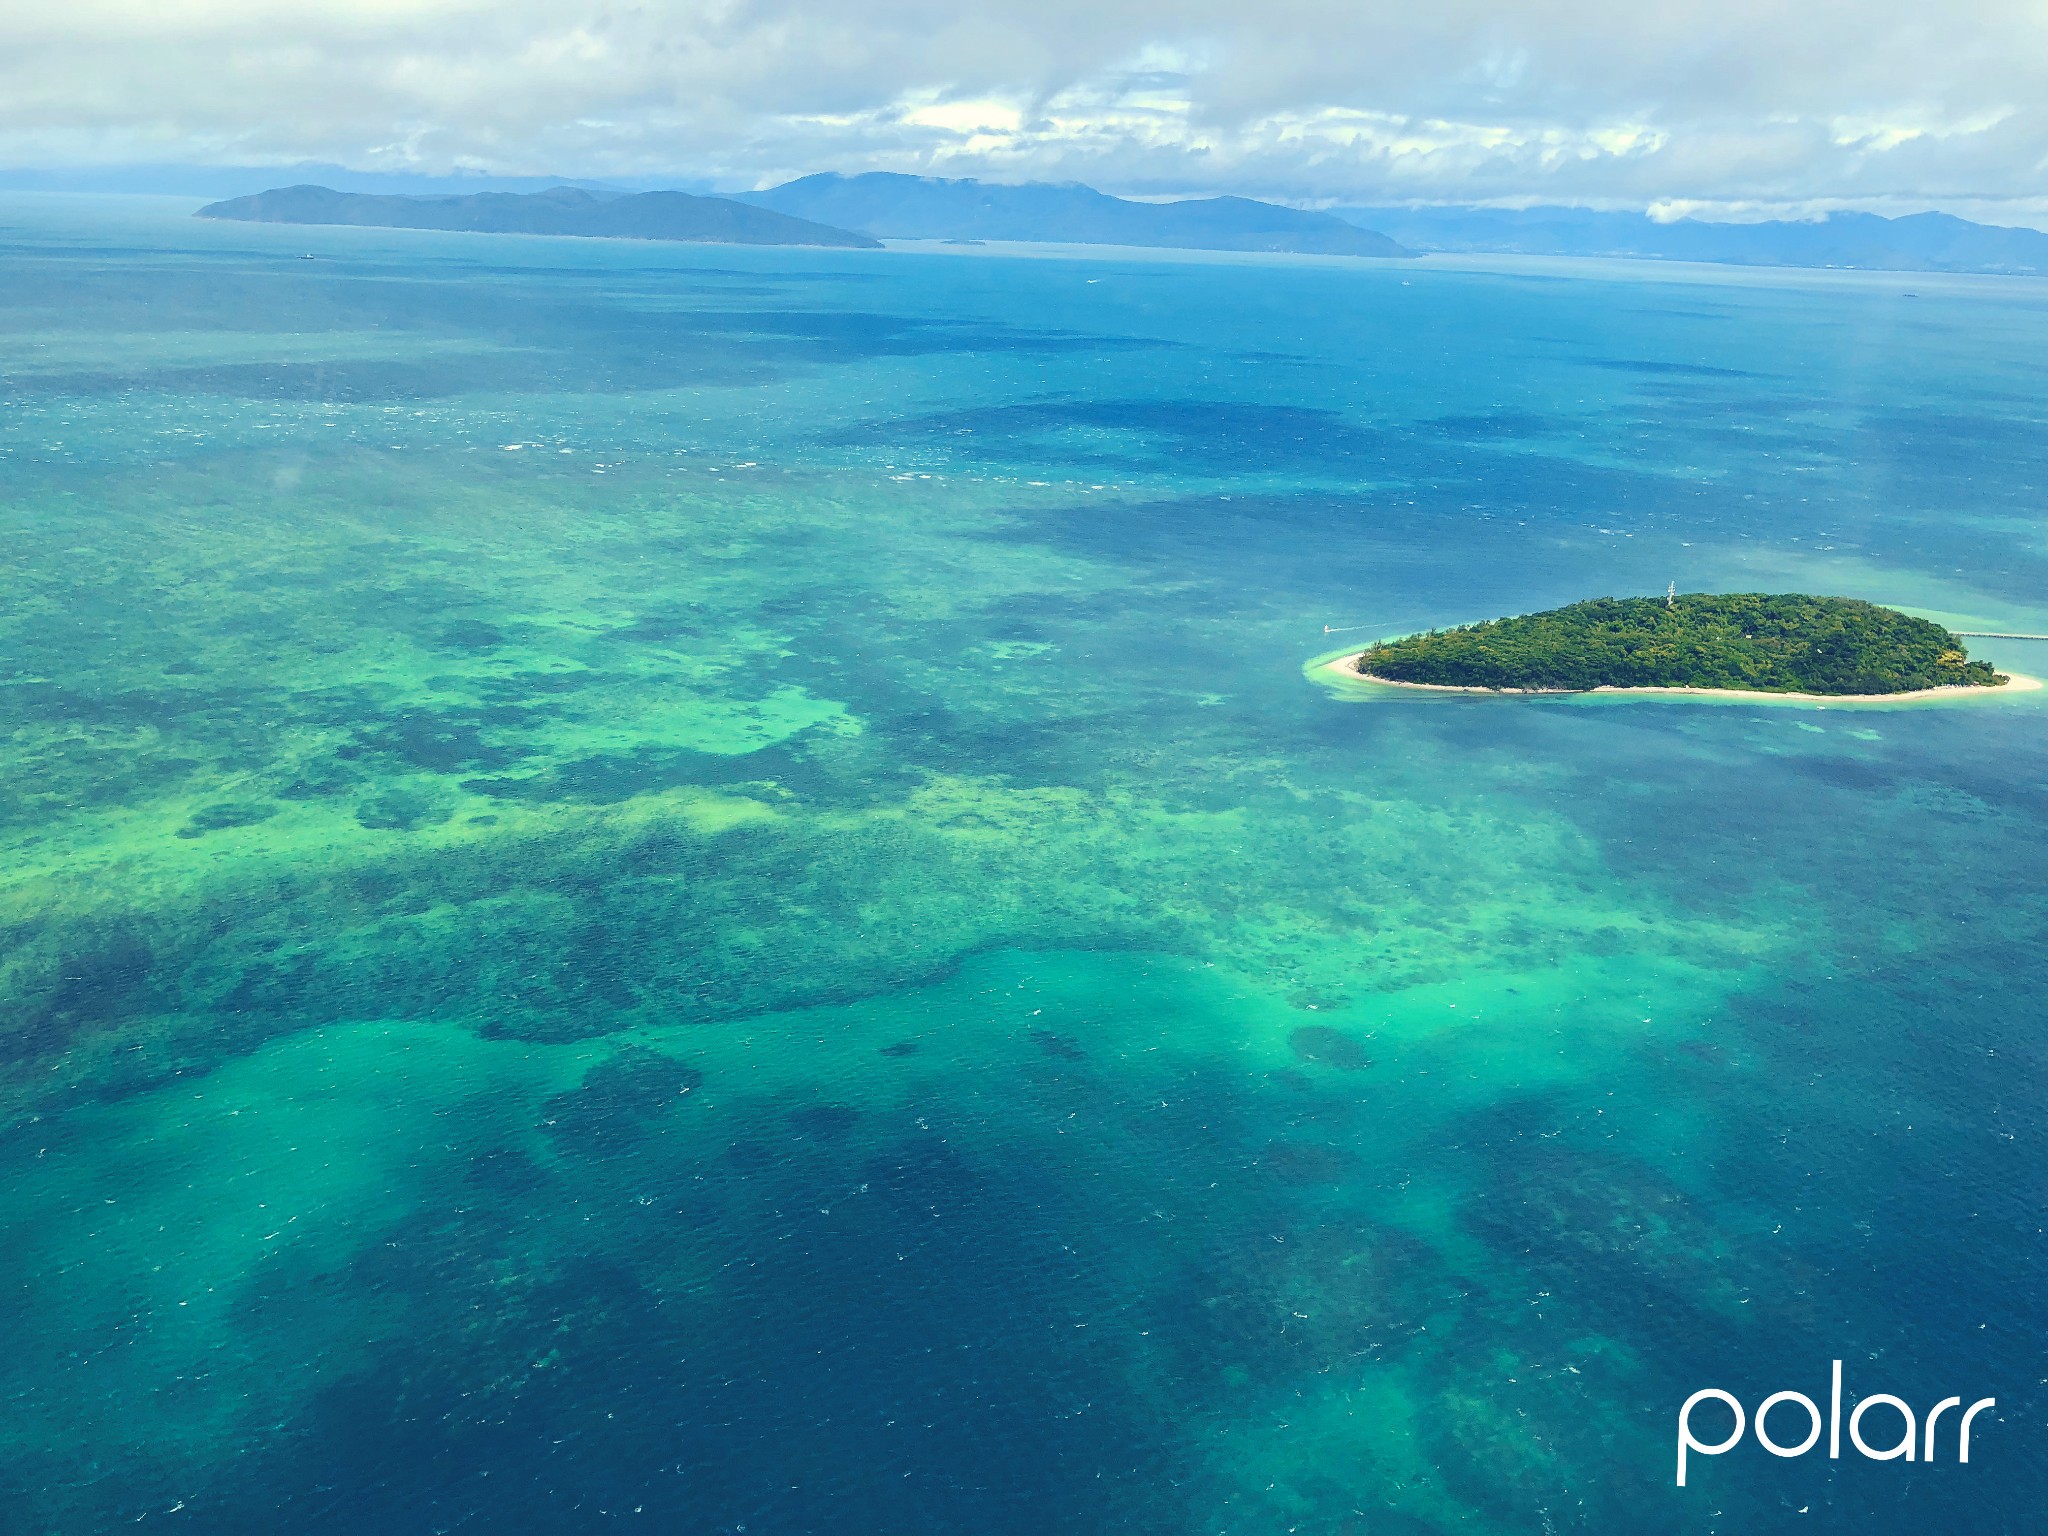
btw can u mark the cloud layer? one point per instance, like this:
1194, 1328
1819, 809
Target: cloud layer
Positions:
1711, 102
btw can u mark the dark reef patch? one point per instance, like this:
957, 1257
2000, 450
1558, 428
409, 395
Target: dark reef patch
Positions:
606, 778
404, 808
619, 1100
472, 635
1194, 434
103, 983
227, 813
505, 1171
1330, 1047
442, 740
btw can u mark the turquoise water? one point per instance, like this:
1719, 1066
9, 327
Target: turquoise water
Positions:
701, 889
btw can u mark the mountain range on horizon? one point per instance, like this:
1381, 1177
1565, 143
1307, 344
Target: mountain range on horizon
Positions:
892, 206
895, 206
1918, 242
863, 210
837, 211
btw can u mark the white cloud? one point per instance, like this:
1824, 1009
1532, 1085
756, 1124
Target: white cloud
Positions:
1701, 103
1880, 134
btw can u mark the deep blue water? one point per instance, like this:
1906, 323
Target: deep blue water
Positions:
703, 888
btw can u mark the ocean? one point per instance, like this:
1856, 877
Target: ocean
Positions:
702, 889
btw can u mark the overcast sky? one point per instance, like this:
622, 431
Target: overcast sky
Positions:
1725, 103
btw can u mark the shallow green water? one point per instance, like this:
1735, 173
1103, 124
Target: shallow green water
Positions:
704, 888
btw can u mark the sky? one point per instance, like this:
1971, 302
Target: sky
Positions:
1718, 107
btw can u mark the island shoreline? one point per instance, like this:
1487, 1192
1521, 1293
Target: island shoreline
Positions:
1346, 667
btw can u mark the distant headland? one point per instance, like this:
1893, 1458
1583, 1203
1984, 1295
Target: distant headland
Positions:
1786, 645
559, 211
844, 211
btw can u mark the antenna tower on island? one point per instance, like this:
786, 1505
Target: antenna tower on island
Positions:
1671, 595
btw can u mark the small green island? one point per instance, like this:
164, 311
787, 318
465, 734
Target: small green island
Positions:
1750, 642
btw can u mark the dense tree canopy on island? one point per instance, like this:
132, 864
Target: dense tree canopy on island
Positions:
1770, 643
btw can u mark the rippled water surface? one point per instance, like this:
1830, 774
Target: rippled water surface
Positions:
701, 890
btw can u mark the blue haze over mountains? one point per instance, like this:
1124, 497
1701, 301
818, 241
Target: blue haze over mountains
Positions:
1920, 242
892, 206
930, 208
